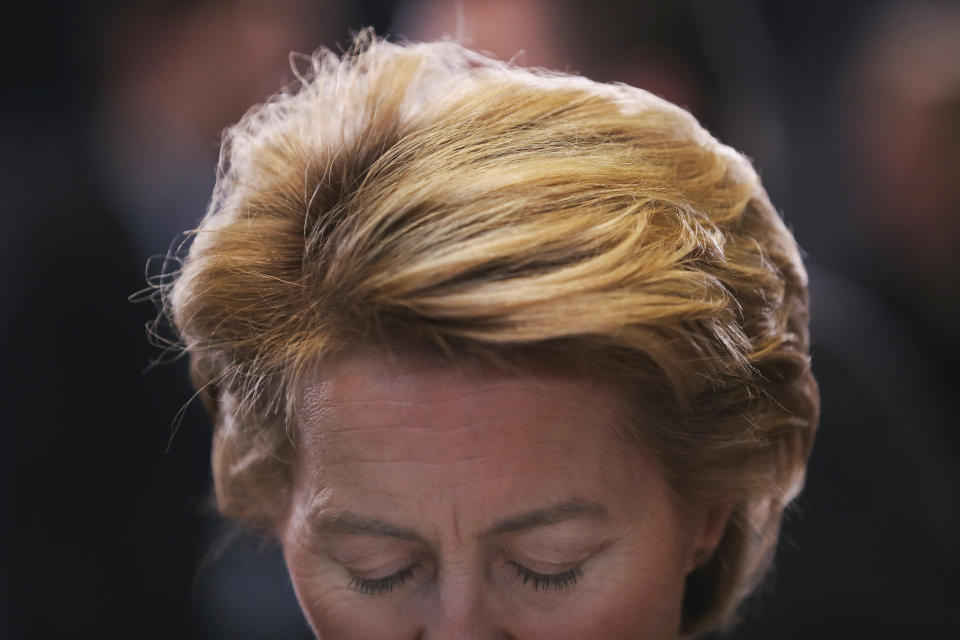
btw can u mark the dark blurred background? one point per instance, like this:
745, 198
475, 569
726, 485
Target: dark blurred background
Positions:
109, 130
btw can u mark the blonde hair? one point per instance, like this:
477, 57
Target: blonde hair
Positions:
428, 195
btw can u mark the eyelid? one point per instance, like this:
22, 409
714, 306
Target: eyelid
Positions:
366, 559
546, 567
545, 556
561, 581
384, 585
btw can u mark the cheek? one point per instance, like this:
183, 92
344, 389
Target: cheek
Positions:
643, 603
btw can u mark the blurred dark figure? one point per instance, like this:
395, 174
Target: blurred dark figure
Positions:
111, 124
874, 551
901, 99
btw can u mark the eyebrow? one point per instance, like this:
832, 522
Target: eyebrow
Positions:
349, 523
571, 509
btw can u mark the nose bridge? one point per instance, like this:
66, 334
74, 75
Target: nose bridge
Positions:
461, 607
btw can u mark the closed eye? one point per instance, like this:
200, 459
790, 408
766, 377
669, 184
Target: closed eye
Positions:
380, 586
549, 581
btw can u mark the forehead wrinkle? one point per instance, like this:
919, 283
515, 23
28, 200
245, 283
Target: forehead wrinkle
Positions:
362, 379
457, 443
540, 409
370, 369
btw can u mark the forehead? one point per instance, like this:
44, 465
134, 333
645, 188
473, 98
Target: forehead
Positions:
423, 395
399, 430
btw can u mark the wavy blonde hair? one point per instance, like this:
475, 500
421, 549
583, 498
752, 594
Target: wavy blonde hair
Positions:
428, 195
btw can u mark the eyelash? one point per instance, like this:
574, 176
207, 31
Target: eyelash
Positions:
549, 581
539, 581
380, 586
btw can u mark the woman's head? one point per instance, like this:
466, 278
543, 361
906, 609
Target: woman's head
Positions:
581, 254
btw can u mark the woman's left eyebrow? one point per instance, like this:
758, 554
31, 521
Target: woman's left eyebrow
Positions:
571, 509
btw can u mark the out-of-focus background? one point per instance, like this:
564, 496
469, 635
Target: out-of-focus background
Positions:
109, 130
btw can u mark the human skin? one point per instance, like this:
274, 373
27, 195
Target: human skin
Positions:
433, 500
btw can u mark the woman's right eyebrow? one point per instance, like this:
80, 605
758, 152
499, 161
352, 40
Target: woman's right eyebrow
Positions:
349, 523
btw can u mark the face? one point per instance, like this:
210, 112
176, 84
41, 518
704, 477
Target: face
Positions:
438, 501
